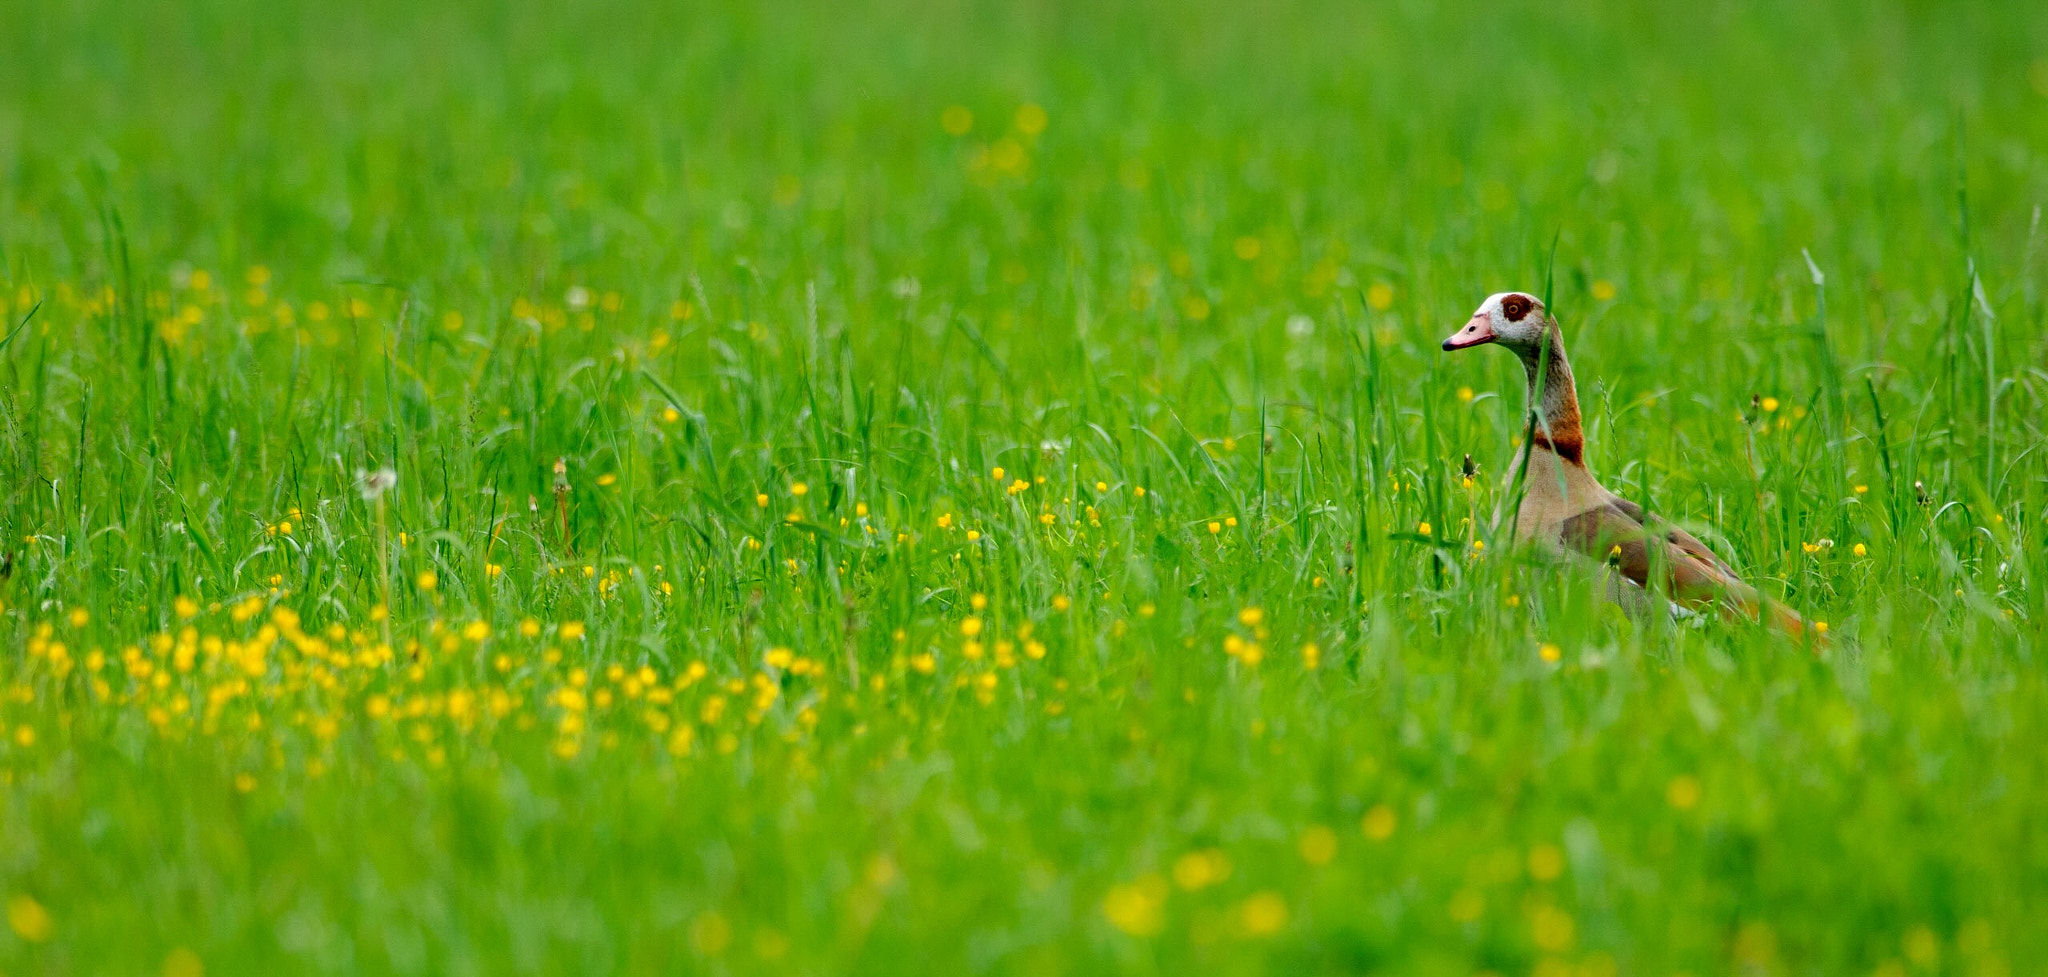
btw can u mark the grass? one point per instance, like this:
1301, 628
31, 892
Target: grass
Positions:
775, 673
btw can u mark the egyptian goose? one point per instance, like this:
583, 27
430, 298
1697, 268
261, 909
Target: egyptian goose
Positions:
1565, 510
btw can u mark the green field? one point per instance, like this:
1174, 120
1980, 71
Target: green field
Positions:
1011, 514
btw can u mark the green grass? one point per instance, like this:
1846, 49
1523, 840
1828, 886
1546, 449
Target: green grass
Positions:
672, 714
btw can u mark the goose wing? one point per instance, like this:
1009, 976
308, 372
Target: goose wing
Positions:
1674, 536
1643, 548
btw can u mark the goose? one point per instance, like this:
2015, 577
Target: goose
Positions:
1566, 512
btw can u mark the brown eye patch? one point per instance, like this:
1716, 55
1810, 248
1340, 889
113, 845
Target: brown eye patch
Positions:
1516, 306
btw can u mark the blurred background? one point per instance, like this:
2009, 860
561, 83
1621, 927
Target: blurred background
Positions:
1686, 152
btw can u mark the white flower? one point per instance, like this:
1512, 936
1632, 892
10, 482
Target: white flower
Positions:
375, 484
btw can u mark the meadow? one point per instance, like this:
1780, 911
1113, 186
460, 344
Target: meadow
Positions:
972, 488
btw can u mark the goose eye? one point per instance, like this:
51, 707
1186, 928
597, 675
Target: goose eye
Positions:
1515, 306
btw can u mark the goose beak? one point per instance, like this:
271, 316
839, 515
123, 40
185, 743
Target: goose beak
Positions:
1477, 332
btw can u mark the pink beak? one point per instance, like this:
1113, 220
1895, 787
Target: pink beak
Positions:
1477, 332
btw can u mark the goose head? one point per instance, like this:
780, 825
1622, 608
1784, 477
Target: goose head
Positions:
1516, 320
